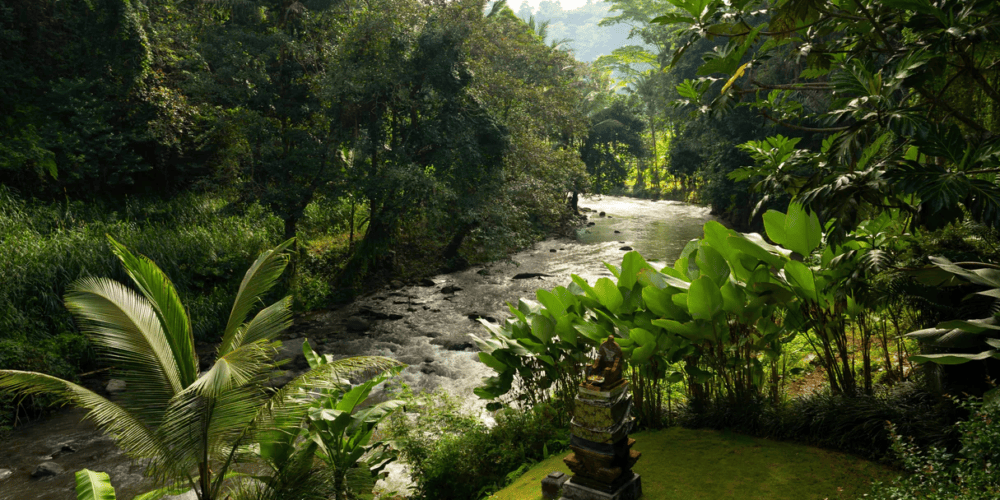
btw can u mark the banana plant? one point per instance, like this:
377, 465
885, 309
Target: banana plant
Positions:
342, 430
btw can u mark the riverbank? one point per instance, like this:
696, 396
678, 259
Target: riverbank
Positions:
426, 324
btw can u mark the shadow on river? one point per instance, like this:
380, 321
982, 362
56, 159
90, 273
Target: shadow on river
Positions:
426, 326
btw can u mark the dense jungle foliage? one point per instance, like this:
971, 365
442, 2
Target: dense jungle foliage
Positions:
851, 145
201, 133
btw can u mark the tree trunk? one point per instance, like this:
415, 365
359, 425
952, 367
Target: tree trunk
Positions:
451, 251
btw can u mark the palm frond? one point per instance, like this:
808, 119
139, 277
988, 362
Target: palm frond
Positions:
131, 434
126, 327
261, 276
269, 322
237, 368
154, 284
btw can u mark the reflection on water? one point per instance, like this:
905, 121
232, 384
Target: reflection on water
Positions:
656, 229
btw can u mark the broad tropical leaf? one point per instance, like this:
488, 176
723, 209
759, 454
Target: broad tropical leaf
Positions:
92, 485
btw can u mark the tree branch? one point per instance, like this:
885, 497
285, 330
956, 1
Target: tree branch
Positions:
805, 129
952, 111
839, 14
773, 33
970, 65
795, 86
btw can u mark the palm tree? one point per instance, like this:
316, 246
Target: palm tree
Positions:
190, 426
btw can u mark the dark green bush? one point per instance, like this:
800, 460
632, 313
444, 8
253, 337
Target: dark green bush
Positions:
851, 424
936, 474
465, 459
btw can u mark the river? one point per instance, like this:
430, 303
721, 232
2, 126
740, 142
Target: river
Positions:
426, 326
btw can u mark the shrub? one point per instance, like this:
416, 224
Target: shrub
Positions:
934, 473
461, 458
851, 424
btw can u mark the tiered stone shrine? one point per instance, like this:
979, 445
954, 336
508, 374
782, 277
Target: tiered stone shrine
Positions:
602, 457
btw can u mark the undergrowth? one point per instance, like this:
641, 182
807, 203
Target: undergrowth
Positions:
456, 456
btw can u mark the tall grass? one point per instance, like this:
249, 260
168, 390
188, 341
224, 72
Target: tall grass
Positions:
197, 239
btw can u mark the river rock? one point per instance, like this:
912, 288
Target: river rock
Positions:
553, 250
396, 284
427, 282
591, 223
356, 324
450, 289
46, 469
64, 449
115, 386
626, 248
475, 315
5, 473
617, 231
524, 276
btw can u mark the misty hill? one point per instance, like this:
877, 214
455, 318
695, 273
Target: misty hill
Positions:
588, 40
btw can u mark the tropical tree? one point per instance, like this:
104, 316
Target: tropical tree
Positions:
615, 135
900, 97
190, 426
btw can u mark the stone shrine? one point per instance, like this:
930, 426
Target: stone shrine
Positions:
602, 457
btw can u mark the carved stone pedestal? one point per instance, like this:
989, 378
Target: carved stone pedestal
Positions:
629, 490
602, 457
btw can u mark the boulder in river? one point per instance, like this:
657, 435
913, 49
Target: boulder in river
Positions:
475, 315
396, 284
427, 282
46, 469
450, 289
5, 473
115, 386
524, 276
64, 449
553, 250
626, 248
602, 214
591, 223
356, 324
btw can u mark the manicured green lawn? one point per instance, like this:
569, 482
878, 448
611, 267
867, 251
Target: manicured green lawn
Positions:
685, 464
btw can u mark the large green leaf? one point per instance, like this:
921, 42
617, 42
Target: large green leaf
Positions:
951, 359
552, 303
712, 264
632, 264
642, 336
801, 276
733, 298
972, 325
608, 294
802, 230
774, 225
492, 362
661, 303
704, 299
565, 330
543, 328
754, 250
92, 485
